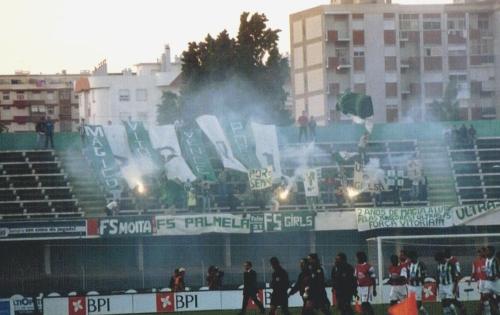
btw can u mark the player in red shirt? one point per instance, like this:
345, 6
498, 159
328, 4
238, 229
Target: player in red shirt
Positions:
397, 280
479, 275
365, 275
404, 260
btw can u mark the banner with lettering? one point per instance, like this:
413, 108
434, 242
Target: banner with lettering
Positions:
261, 178
311, 187
140, 143
234, 223
98, 152
194, 152
266, 147
421, 217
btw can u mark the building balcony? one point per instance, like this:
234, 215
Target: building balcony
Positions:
488, 86
338, 36
21, 103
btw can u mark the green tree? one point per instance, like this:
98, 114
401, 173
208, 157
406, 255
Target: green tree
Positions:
168, 111
242, 75
447, 108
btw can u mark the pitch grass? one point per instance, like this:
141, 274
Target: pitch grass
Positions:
432, 308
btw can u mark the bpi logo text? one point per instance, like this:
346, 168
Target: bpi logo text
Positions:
170, 302
83, 306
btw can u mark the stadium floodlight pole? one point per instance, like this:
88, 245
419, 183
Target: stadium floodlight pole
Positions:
380, 258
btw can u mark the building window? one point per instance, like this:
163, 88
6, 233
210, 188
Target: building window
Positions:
50, 110
456, 24
19, 96
50, 95
432, 25
141, 95
392, 113
6, 96
124, 95
65, 94
36, 95
391, 90
408, 22
359, 53
39, 109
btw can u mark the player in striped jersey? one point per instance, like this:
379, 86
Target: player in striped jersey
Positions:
447, 280
492, 283
479, 275
416, 273
458, 271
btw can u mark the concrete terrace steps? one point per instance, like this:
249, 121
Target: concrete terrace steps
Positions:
85, 185
437, 168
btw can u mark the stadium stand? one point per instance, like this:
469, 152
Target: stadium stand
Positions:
33, 185
476, 169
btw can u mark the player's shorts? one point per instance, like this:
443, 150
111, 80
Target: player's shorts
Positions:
398, 292
492, 287
481, 286
365, 294
446, 292
417, 290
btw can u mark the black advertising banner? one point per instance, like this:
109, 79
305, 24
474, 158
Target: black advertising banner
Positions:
25, 230
126, 226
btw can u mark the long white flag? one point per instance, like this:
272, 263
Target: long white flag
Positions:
214, 132
164, 139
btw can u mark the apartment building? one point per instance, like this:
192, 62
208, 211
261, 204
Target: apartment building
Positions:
112, 97
404, 56
25, 97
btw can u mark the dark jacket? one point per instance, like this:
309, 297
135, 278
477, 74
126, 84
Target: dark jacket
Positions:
40, 127
279, 281
301, 283
317, 285
49, 128
250, 282
343, 280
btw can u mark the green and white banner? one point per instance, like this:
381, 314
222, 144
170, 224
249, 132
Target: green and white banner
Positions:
195, 154
98, 152
261, 178
214, 132
242, 142
118, 142
421, 217
234, 223
140, 144
164, 139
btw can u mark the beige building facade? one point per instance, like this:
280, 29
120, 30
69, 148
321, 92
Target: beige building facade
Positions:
403, 56
24, 98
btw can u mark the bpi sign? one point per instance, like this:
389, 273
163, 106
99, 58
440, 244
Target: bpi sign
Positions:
133, 303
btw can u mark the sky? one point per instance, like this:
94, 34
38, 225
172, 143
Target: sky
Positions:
51, 35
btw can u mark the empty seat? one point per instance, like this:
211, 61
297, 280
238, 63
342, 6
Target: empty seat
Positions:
65, 206
493, 193
10, 208
4, 182
12, 157
23, 181
488, 143
46, 168
37, 207
19, 169
468, 181
30, 194
7, 195
59, 193
491, 167
492, 180
404, 146
474, 193
53, 180
468, 168
40, 156
489, 155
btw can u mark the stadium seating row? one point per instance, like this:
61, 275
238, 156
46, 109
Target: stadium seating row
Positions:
33, 184
476, 169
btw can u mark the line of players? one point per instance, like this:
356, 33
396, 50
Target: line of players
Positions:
407, 274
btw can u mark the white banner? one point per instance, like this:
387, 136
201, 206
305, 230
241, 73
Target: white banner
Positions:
266, 147
311, 187
118, 142
164, 139
214, 132
202, 223
260, 178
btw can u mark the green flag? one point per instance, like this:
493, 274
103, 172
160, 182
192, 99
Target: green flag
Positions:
355, 104
193, 150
